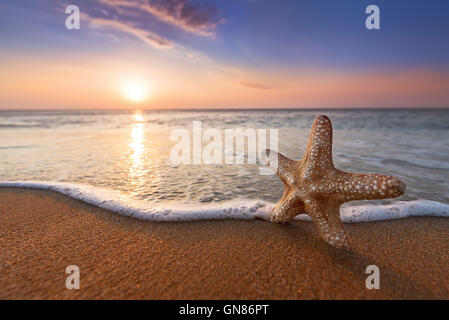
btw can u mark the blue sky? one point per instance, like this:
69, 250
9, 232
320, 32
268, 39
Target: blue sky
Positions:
262, 39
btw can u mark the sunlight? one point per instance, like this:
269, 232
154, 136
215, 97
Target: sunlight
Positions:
135, 91
137, 145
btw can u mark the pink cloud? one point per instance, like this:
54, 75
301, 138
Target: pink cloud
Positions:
254, 85
199, 19
144, 35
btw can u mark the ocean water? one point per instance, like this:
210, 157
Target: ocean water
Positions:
120, 160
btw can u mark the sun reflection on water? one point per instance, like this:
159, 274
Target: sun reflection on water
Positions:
137, 155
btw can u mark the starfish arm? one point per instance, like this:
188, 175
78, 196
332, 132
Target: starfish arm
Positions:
326, 216
357, 186
319, 148
287, 208
313, 185
283, 166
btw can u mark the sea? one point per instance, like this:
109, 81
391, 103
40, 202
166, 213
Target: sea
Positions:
123, 160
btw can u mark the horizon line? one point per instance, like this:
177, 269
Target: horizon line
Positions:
230, 109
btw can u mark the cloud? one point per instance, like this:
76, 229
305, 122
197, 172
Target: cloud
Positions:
142, 34
254, 85
200, 17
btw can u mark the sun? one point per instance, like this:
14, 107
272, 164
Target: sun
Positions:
135, 91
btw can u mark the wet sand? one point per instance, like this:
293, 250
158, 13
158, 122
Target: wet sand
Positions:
42, 232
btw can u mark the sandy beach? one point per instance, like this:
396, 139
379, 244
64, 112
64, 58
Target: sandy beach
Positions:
42, 232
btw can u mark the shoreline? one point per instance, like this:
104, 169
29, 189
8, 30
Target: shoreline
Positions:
120, 257
245, 209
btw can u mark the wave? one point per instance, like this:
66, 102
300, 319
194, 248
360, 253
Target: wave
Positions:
246, 209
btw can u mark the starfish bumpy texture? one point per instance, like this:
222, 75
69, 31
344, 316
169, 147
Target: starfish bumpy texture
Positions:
315, 187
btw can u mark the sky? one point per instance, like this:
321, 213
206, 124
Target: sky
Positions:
187, 54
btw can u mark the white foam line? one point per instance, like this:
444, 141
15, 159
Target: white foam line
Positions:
233, 209
122, 204
396, 210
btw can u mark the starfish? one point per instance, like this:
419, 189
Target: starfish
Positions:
315, 187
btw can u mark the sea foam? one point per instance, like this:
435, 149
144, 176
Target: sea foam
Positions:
233, 209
